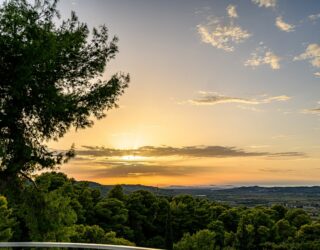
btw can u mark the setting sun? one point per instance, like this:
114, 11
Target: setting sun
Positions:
132, 158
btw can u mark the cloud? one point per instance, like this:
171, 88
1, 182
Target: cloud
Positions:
317, 74
312, 111
99, 162
159, 160
312, 53
283, 25
212, 98
254, 109
288, 154
279, 98
104, 167
281, 136
265, 3
314, 17
190, 151
143, 170
263, 56
258, 146
232, 11
276, 170
151, 151
223, 36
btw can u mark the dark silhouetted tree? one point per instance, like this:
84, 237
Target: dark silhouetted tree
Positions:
50, 81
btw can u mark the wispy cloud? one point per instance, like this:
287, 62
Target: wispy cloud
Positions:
314, 17
190, 151
258, 146
106, 168
151, 151
158, 161
265, 3
281, 136
213, 98
317, 74
288, 154
232, 11
223, 36
315, 111
312, 53
250, 108
282, 25
276, 170
279, 98
143, 170
263, 56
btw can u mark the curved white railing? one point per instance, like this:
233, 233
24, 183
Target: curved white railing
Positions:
71, 245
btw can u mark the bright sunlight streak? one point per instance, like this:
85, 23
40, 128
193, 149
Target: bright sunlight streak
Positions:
132, 158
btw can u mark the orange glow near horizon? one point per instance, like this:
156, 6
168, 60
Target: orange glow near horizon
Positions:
232, 171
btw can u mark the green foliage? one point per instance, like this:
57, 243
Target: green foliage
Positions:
6, 221
111, 238
218, 228
84, 201
254, 229
189, 215
95, 234
117, 193
309, 232
203, 239
61, 209
283, 230
51, 80
48, 216
87, 234
297, 217
183, 210
230, 219
110, 214
143, 208
279, 212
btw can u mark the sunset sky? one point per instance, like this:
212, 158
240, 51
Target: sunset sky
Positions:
221, 92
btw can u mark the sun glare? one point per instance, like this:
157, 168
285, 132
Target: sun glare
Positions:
132, 158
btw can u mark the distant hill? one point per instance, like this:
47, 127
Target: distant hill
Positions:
104, 189
300, 196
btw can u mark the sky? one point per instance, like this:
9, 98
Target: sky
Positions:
221, 93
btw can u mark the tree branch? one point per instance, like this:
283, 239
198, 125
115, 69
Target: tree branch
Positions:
29, 179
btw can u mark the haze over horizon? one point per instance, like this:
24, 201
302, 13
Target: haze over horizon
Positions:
221, 92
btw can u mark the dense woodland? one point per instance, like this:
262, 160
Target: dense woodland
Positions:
56, 208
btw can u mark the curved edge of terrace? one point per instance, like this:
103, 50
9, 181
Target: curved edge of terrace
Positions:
70, 245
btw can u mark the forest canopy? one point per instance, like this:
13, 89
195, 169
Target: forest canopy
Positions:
62, 209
